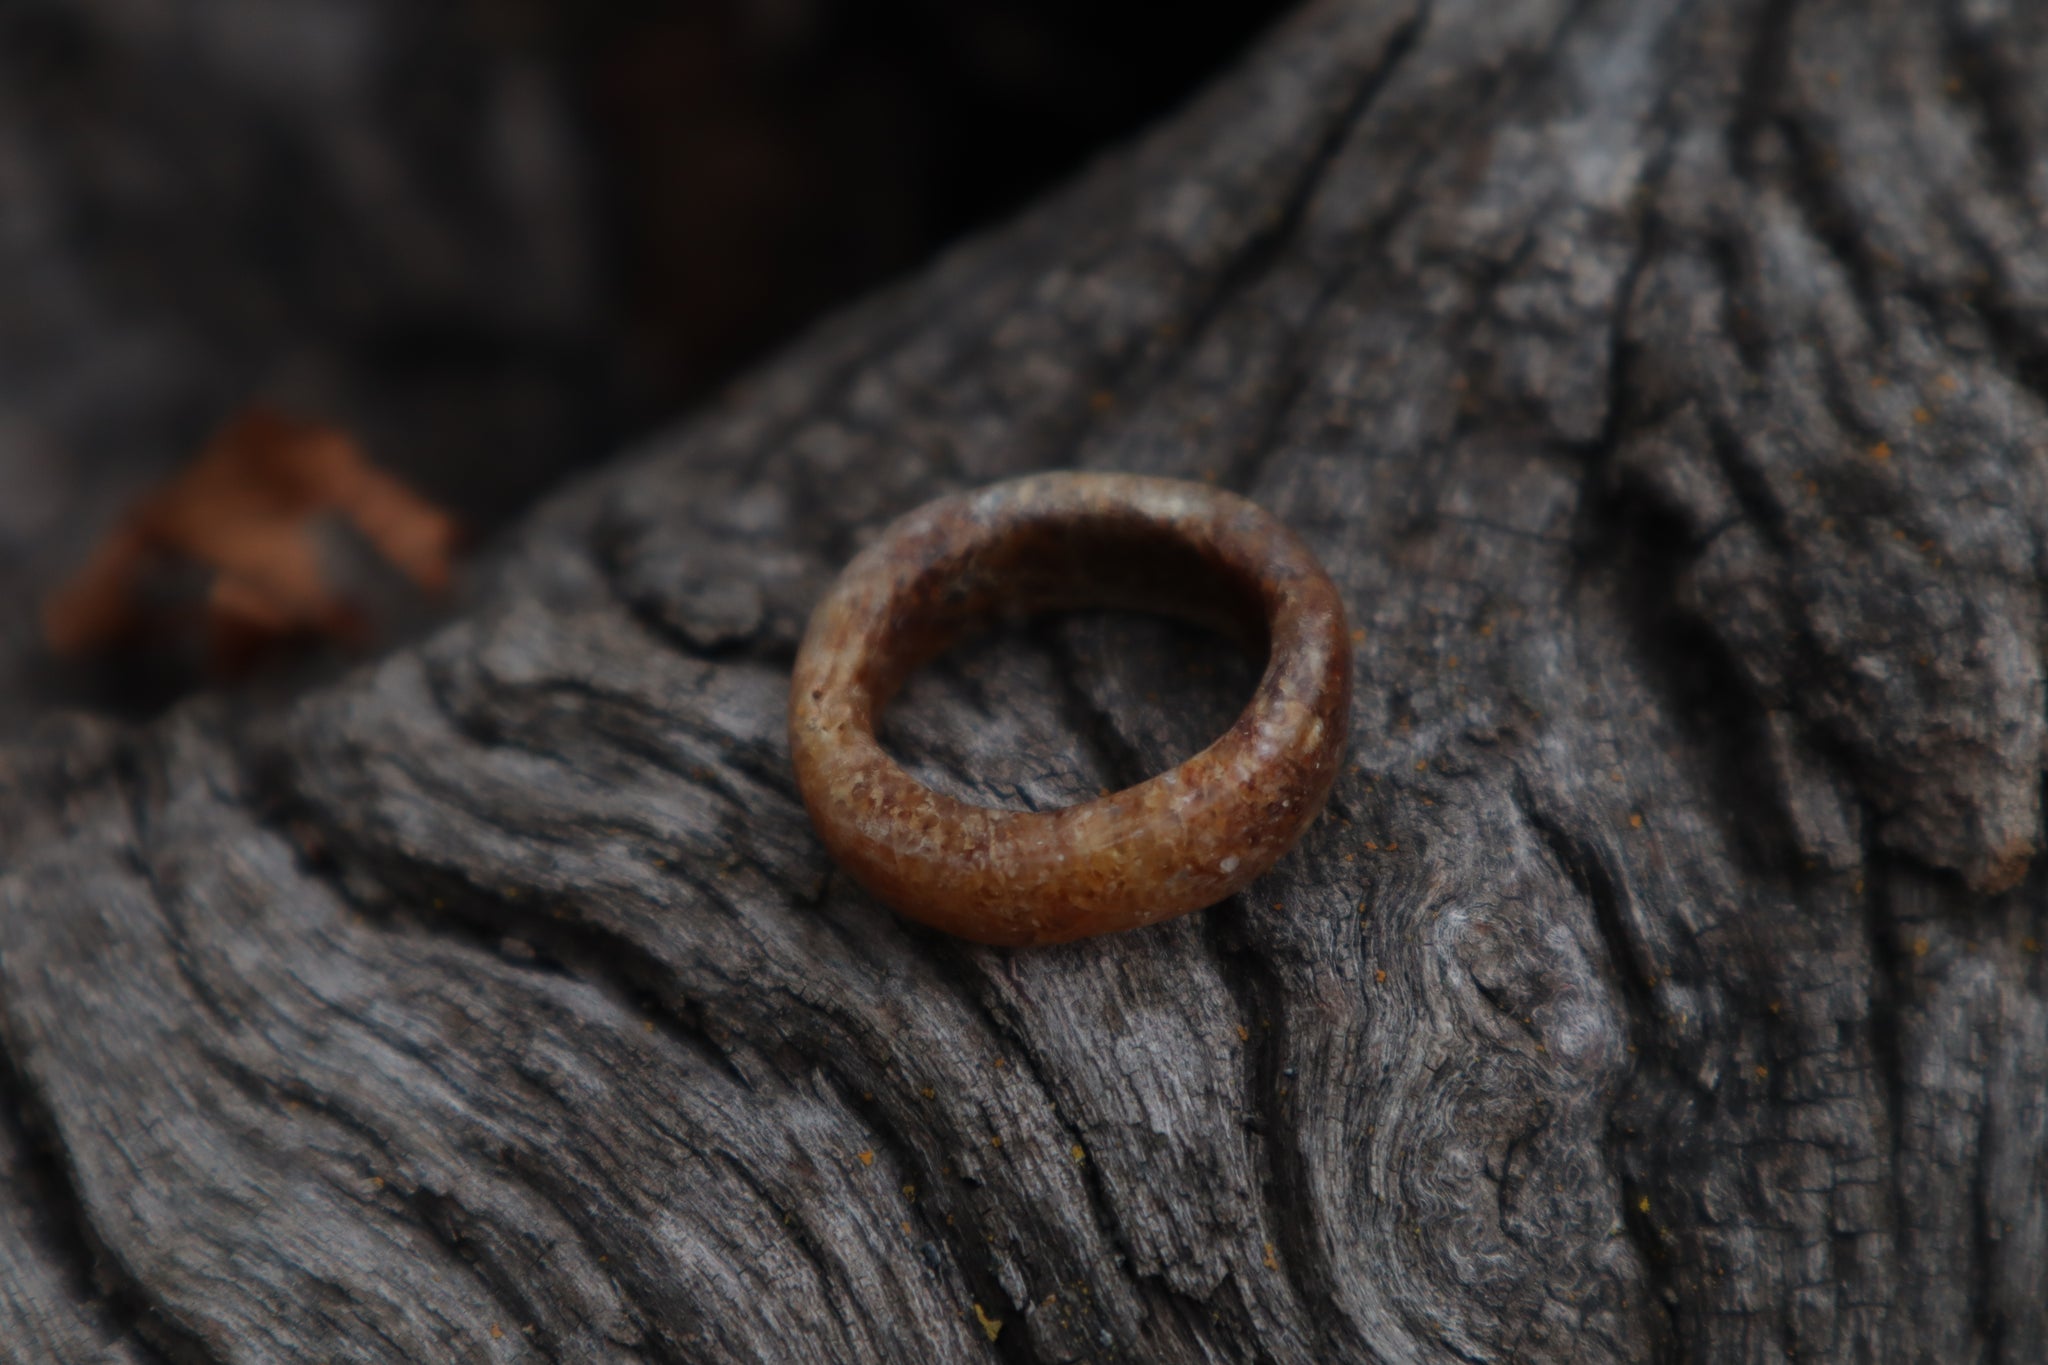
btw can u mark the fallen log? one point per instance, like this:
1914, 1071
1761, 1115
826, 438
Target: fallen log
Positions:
1663, 386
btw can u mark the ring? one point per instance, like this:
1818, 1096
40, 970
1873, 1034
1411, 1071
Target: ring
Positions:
1064, 541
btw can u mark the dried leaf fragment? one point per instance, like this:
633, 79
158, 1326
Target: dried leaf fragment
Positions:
243, 513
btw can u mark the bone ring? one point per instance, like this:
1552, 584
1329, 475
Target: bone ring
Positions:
1174, 843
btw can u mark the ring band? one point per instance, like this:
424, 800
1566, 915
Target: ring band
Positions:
1174, 843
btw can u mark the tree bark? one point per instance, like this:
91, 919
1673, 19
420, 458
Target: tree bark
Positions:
1665, 384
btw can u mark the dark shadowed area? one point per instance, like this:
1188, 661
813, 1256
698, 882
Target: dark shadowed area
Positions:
493, 241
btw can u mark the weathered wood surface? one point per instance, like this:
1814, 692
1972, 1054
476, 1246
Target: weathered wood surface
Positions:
1664, 385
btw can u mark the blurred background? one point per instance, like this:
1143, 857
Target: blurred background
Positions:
488, 242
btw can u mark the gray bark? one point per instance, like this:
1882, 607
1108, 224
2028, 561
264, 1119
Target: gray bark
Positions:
1665, 383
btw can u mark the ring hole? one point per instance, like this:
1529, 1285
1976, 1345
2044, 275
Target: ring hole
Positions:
1054, 710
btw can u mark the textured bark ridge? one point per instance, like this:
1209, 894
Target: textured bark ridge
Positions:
1663, 384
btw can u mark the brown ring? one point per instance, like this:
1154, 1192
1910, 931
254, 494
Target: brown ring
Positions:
1174, 843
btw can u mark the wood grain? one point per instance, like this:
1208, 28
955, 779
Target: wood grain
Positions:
1663, 385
